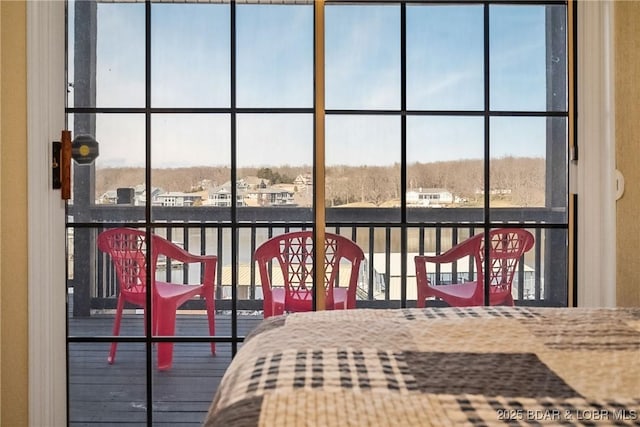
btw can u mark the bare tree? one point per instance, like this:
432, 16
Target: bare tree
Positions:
519, 181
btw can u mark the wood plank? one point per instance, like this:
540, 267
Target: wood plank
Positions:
106, 395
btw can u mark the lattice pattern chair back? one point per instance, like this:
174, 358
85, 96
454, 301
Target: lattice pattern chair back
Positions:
506, 248
127, 249
296, 259
294, 255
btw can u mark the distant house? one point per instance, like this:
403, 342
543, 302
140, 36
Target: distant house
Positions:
433, 197
203, 184
221, 196
250, 192
252, 182
110, 197
495, 191
137, 196
270, 196
175, 198
140, 194
303, 180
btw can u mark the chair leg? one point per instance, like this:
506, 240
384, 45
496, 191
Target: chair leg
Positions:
166, 312
116, 330
277, 309
421, 300
267, 307
212, 321
155, 317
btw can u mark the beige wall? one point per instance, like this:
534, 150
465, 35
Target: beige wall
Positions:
627, 94
13, 215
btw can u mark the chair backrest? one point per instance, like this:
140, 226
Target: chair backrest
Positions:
294, 254
506, 247
127, 249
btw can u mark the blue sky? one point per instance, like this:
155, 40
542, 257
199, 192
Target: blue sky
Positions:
445, 71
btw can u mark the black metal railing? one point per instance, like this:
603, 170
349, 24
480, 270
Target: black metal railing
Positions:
384, 282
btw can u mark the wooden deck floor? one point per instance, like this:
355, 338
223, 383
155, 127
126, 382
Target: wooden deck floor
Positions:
105, 395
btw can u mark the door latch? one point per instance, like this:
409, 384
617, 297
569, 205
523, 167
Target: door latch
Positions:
84, 150
61, 165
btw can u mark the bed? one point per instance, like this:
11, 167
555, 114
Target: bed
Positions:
436, 367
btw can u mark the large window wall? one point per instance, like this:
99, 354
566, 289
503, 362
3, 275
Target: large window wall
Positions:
442, 120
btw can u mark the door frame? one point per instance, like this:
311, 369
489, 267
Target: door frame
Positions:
45, 102
593, 178
46, 87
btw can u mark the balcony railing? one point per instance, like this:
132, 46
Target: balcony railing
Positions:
386, 280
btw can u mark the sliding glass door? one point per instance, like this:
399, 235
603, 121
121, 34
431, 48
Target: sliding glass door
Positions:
442, 121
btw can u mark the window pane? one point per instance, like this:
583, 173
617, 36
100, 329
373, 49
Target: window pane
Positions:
183, 397
445, 58
362, 57
445, 168
190, 158
190, 55
275, 157
363, 166
107, 394
550, 284
120, 165
529, 167
108, 70
118, 168
275, 56
528, 58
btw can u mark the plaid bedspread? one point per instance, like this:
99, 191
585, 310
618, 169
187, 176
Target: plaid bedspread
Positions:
436, 367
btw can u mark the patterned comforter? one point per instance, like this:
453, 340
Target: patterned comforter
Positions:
436, 367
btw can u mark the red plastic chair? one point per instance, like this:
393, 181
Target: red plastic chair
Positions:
507, 246
294, 255
127, 248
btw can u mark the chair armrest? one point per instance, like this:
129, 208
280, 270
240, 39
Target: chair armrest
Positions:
164, 247
171, 250
453, 254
